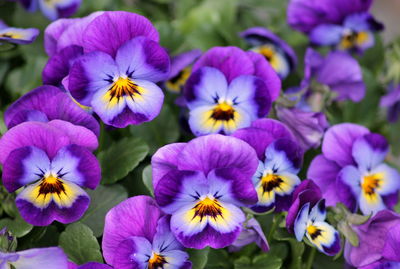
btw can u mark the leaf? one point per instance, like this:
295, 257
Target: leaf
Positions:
297, 248
198, 257
161, 131
102, 200
348, 233
18, 227
121, 158
147, 179
79, 244
267, 261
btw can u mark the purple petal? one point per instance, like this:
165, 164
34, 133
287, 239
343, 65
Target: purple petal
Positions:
217, 151
53, 32
144, 59
18, 35
136, 216
326, 35
59, 9
132, 252
164, 240
183, 60
338, 142
348, 186
53, 257
391, 250
22, 166
369, 151
251, 233
324, 172
165, 160
110, 30
231, 61
391, 98
65, 109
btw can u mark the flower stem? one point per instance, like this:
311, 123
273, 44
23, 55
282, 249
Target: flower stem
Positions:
310, 259
275, 224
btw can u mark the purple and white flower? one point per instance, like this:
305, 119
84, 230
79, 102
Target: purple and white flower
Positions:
52, 9
17, 35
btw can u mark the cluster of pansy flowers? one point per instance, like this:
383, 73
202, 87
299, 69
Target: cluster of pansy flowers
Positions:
110, 66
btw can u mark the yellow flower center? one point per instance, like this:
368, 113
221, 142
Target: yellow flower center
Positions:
313, 231
176, 83
123, 87
270, 181
207, 207
353, 39
156, 261
51, 184
223, 111
370, 183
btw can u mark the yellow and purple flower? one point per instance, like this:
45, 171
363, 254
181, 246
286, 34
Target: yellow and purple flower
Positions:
277, 52
346, 25
202, 184
137, 235
52, 9
280, 159
17, 35
228, 89
50, 162
351, 170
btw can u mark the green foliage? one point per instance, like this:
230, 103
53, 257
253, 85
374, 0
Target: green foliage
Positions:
17, 226
198, 258
147, 179
79, 243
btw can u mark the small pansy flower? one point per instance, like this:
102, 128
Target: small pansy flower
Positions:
180, 70
52, 9
17, 35
351, 169
202, 185
47, 103
278, 53
229, 89
137, 235
36, 258
347, 25
310, 222
392, 102
50, 162
251, 233
280, 160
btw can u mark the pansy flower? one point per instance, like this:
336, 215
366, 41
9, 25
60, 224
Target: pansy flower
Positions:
51, 161
338, 71
137, 235
229, 89
52, 9
278, 53
347, 25
202, 184
280, 160
47, 103
392, 102
181, 70
17, 35
310, 222
36, 258
251, 233
351, 169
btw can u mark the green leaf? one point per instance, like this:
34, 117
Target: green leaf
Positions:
267, 261
18, 227
79, 243
161, 131
198, 257
121, 158
348, 232
297, 248
147, 179
102, 200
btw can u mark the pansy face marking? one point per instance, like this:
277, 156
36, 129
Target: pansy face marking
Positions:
123, 87
156, 261
352, 39
275, 57
176, 83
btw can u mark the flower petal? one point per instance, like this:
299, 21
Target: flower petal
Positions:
348, 186
328, 241
37, 258
369, 151
326, 34
300, 224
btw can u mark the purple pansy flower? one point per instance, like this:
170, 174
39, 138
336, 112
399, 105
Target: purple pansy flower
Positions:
278, 53
307, 126
229, 89
342, 23
17, 35
36, 258
52, 161
338, 71
351, 169
202, 184
392, 102
379, 243
251, 233
181, 70
280, 160
52, 9
137, 235
47, 103
310, 222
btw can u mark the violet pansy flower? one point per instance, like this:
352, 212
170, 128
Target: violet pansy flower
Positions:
280, 160
347, 25
310, 222
379, 243
52, 161
17, 35
351, 169
180, 70
278, 53
229, 89
202, 184
251, 233
47, 103
137, 235
52, 9
338, 71
392, 102
36, 258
